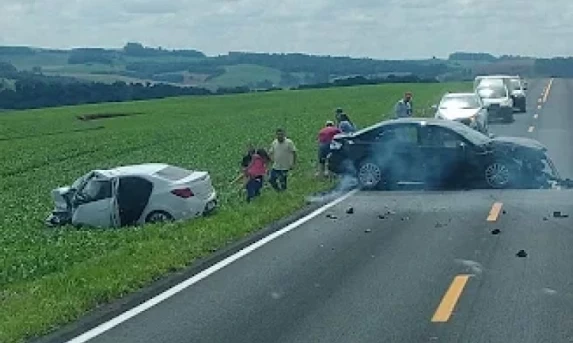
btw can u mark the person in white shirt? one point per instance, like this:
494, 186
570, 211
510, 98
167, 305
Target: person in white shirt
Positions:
404, 108
283, 154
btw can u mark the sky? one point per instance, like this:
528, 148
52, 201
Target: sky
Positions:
387, 29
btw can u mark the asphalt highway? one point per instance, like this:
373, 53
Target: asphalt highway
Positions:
404, 267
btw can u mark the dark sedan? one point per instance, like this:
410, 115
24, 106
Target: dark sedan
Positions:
439, 153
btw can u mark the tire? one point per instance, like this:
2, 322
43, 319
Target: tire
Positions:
158, 217
508, 117
500, 174
369, 175
523, 107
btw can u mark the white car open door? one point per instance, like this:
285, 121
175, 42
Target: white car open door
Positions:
95, 203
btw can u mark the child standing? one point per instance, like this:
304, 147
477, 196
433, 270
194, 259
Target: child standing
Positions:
255, 173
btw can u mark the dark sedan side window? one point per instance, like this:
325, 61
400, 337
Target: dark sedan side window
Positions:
399, 133
439, 137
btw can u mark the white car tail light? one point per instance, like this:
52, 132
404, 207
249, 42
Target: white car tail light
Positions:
183, 193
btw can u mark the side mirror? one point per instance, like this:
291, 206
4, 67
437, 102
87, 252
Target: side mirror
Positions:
462, 146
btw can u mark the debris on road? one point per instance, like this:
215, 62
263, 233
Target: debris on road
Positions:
496, 232
405, 218
439, 225
504, 212
521, 253
381, 216
368, 230
559, 214
545, 218
390, 212
350, 210
331, 216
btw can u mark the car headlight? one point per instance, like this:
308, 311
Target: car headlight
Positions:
334, 145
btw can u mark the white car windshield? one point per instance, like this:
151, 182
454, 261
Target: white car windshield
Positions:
492, 92
460, 102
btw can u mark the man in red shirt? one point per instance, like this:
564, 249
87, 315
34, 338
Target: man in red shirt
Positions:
325, 136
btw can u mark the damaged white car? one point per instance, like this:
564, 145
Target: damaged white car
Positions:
133, 195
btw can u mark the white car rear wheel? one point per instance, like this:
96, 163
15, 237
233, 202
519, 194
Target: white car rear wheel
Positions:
158, 217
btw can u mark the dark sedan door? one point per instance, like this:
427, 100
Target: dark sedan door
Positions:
446, 156
396, 149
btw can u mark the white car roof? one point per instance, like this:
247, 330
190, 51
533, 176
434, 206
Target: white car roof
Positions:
135, 169
496, 77
456, 95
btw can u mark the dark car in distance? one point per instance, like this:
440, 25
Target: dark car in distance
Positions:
439, 153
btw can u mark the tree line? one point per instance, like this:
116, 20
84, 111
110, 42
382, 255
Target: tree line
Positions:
37, 91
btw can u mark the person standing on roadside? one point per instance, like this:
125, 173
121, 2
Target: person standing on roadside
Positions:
255, 172
404, 108
325, 136
283, 155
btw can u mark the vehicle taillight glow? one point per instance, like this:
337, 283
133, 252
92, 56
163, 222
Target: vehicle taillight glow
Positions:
183, 192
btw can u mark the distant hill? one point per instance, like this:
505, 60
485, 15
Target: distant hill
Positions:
136, 63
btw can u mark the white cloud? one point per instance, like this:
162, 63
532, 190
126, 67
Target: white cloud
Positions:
382, 29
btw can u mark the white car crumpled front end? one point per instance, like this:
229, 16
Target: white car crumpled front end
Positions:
62, 212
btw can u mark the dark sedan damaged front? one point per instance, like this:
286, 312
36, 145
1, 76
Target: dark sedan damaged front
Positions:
535, 167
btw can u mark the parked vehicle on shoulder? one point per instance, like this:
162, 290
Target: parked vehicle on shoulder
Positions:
439, 153
466, 108
133, 195
497, 99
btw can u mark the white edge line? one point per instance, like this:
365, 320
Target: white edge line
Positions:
100, 329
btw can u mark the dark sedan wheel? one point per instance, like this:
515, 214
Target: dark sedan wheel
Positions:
499, 174
369, 175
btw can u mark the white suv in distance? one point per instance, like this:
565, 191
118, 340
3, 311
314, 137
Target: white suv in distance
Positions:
513, 83
497, 99
466, 108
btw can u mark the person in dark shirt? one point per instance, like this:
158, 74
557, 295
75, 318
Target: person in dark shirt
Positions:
247, 158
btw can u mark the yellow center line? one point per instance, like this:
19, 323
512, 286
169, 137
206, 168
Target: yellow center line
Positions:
450, 299
531, 128
494, 212
547, 90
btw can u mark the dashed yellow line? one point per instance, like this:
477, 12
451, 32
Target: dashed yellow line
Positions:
547, 90
494, 212
450, 299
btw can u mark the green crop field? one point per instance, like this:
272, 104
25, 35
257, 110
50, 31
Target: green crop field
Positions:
242, 74
49, 277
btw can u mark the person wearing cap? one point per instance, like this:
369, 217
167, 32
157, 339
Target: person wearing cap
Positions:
325, 136
404, 108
